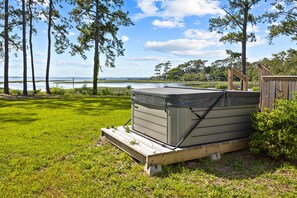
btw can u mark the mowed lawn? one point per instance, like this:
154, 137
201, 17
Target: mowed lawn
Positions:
51, 147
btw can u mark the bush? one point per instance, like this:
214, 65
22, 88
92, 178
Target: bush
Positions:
58, 91
276, 130
221, 86
106, 91
84, 90
255, 88
15, 92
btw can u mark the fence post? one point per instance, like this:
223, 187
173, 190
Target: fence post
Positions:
233, 72
230, 79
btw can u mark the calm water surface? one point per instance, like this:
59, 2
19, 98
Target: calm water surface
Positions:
41, 85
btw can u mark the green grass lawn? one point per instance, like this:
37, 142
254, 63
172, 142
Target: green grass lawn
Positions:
52, 148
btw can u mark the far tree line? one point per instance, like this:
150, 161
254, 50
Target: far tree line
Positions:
282, 63
98, 22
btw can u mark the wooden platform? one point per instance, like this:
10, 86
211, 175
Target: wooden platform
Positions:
154, 154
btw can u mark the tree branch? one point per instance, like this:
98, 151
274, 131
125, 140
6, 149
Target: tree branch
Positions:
235, 20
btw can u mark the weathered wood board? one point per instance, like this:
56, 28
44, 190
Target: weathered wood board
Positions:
153, 153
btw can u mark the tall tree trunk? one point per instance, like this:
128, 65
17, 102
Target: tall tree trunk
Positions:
96, 55
25, 90
48, 91
6, 50
244, 41
31, 46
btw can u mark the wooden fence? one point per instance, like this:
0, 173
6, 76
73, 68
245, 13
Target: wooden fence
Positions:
272, 87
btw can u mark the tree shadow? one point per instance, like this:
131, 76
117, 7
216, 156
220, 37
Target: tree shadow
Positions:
23, 118
238, 165
83, 105
102, 105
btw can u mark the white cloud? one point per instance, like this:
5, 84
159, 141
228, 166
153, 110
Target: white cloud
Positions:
201, 34
39, 53
125, 38
173, 12
148, 8
71, 33
183, 8
146, 58
203, 53
253, 28
185, 47
168, 24
179, 44
259, 41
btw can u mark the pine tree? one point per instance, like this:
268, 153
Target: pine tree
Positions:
24, 44
238, 16
283, 19
57, 26
8, 40
98, 22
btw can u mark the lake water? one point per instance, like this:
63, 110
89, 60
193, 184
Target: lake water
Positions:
41, 85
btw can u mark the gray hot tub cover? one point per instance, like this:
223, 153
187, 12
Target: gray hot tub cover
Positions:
191, 98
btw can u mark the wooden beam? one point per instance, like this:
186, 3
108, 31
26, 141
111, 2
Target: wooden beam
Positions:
239, 74
124, 146
264, 71
191, 153
280, 78
230, 79
233, 72
144, 152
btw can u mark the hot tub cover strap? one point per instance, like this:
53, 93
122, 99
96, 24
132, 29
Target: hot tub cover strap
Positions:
200, 119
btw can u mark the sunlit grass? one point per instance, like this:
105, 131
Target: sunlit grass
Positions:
52, 148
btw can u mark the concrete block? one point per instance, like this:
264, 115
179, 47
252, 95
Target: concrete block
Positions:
153, 169
215, 156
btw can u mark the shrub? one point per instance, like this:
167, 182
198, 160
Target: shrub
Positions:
57, 91
106, 91
84, 90
276, 130
221, 86
255, 88
15, 92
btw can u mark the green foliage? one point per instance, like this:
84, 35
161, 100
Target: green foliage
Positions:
158, 68
282, 63
238, 15
282, 19
106, 91
221, 86
84, 90
98, 24
255, 88
58, 91
275, 131
15, 92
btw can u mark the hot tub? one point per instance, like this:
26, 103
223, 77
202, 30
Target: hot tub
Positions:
185, 117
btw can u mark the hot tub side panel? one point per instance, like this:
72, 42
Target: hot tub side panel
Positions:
150, 121
222, 123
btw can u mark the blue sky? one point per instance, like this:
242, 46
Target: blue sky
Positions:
164, 30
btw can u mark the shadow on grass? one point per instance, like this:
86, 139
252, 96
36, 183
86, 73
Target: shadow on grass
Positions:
24, 118
237, 165
83, 105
